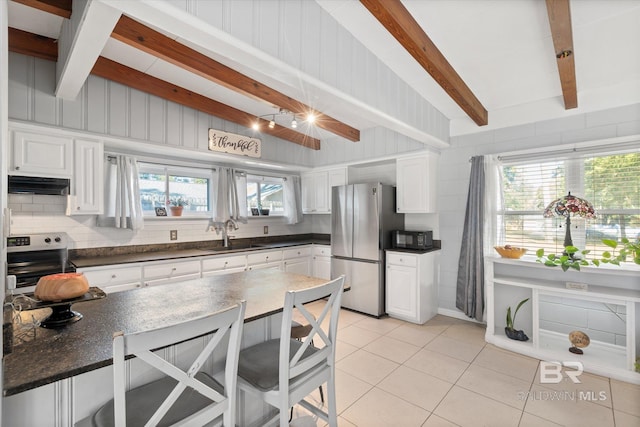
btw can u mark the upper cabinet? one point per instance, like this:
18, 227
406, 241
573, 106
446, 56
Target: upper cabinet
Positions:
416, 184
42, 155
316, 189
88, 188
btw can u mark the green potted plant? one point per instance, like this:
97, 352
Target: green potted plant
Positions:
177, 205
509, 330
627, 250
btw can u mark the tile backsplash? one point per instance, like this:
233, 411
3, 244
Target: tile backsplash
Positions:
39, 213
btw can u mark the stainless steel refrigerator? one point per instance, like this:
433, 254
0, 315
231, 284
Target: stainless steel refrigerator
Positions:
362, 217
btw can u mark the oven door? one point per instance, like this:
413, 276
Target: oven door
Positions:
30, 266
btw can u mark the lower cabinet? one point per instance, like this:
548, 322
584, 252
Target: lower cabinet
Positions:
264, 259
223, 265
297, 260
114, 278
411, 286
166, 272
322, 261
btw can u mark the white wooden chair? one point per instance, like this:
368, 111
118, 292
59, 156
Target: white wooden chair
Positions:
183, 397
282, 372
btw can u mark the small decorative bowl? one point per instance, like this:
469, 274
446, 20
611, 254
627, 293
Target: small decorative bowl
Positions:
508, 251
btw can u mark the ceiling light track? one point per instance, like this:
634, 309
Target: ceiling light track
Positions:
283, 116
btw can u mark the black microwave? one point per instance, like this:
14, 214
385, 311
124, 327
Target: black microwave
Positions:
405, 239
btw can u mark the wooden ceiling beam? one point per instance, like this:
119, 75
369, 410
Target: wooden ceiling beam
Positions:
560, 21
399, 22
148, 40
32, 44
119, 73
57, 7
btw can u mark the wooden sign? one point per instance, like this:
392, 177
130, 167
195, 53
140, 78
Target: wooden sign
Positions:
231, 143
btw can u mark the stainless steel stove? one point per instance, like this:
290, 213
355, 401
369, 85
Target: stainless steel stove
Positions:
31, 256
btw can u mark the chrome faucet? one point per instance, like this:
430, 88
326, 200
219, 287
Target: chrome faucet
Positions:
230, 224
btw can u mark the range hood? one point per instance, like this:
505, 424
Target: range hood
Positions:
38, 185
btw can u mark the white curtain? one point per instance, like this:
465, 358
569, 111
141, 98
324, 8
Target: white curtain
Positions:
122, 207
293, 199
230, 196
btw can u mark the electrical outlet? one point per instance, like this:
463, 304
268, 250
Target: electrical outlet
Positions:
266, 229
173, 234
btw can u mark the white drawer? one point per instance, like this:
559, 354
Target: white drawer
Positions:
322, 250
171, 269
297, 252
224, 262
405, 259
262, 257
112, 276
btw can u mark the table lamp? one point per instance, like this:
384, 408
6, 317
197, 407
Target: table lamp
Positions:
568, 206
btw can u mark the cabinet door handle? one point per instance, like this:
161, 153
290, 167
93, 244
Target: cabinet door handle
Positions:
173, 269
17, 168
113, 276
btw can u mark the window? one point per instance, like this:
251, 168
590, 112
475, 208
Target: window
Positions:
610, 182
265, 195
159, 185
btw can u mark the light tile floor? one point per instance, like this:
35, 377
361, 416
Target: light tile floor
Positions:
442, 373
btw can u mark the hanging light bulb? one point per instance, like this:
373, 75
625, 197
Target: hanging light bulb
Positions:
255, 125
311, 118
272, 123
294, 123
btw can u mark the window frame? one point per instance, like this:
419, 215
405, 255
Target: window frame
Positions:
190, 172
265, 179
574, 179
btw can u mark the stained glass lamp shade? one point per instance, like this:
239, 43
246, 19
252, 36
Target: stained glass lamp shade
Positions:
568, 206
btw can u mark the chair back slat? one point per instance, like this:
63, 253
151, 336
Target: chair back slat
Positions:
141, 344
299, 363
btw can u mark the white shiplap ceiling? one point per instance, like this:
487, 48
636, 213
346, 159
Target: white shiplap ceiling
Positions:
502, 49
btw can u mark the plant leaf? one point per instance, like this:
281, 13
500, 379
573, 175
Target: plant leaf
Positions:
596, 262
575, 266
571, 249
611, 243
565, 267
550, 263
606, 254
551, 256
540, 253
509, 322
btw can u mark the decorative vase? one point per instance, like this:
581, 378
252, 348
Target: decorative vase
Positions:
176, 210
516, 335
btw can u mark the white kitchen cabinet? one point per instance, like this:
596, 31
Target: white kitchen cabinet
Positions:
416, 180
223, 265
169, 271
322, 261
297, 260
411, 286
316, 189
88, 178
114, 278
264, 259
35, 154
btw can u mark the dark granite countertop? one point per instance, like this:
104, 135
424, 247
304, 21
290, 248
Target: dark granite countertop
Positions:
55, 354
83, 258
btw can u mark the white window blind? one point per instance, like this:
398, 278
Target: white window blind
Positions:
610, 182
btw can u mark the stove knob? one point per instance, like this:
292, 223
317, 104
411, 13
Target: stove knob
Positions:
57, 239
47, 240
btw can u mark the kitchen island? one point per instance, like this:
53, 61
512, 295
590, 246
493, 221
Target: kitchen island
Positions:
65, 373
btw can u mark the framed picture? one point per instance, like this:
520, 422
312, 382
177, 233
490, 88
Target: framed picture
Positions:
161, 211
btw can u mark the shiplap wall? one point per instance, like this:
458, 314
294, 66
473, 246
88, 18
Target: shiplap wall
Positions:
455, 167
303, 35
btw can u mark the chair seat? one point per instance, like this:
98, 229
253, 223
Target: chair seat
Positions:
143, 401
259, 364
